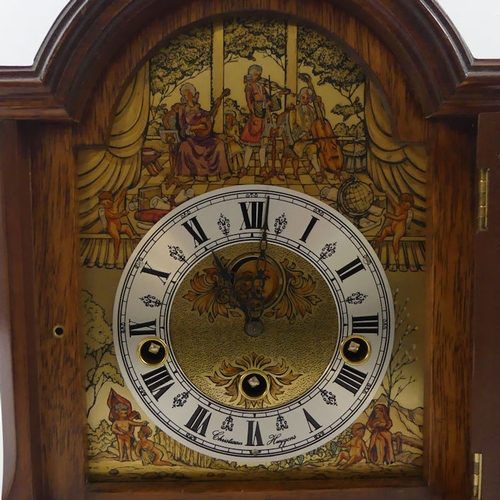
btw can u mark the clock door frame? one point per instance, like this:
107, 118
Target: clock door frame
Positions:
90, 54
485, 390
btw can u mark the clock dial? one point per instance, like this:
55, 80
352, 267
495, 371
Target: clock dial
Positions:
235, 324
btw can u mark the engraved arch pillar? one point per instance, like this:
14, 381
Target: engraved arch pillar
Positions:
218, 71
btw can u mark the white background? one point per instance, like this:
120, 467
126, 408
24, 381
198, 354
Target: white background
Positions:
25, 23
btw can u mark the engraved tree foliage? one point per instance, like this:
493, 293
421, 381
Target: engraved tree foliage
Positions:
244, 37
333, 66
397, 379
184, 58
100, 359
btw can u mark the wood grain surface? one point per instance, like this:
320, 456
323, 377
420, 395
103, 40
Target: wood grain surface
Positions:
450, 285
485, 393
94, 50
61, 378
17, 312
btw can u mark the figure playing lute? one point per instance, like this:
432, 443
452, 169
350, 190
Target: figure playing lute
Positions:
200, 153
206, 123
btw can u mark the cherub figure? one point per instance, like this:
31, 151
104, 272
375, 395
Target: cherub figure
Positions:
144, 445
122, 416
110, 218
400, 220
356, 448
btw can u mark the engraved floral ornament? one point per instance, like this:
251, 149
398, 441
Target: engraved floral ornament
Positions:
288, 292
278, 375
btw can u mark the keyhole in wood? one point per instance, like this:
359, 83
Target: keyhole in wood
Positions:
58, 331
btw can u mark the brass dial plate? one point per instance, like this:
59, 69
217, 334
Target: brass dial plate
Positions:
302, 343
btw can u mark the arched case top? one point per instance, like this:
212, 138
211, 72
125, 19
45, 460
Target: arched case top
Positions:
446, 78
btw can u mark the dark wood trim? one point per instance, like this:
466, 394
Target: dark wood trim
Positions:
289, 490
86, 36
61, 375
449, 348
479, 92
17, 310
485, 387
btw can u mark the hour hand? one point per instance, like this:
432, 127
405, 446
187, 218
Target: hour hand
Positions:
229, 281
226, 275
253, 326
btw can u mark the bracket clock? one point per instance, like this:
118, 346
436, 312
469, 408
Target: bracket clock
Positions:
239, 254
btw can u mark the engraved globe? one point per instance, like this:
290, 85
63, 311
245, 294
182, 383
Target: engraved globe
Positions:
355, 197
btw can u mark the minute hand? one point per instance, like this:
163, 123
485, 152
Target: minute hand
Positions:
259, 280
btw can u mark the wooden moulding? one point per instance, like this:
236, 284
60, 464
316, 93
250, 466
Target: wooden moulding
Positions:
21, 428
92, 52
87, 34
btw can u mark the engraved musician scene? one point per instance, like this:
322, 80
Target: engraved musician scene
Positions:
252, 101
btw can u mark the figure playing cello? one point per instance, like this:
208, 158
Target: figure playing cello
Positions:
329, 151
302, 116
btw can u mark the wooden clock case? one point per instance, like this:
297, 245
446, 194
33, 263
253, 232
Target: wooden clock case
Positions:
435, 90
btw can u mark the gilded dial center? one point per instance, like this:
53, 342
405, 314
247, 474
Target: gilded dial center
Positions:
285, 294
